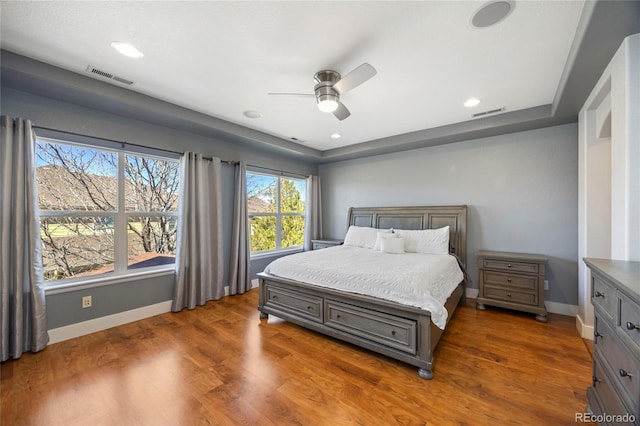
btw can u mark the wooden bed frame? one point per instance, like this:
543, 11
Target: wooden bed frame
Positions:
401, 332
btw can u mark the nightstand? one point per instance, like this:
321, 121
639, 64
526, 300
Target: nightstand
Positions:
512, 281
320, 244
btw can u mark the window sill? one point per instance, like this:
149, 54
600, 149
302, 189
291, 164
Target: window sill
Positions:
104, 281
278, 253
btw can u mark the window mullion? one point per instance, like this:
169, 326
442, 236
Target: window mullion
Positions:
121, 244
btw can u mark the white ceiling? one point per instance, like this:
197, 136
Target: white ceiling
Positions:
222, 58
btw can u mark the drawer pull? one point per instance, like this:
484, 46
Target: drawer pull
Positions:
309, 308
632, 326
625, 373
509, 294
596, 335
393, 332
509, 266
275, 297
508, 280
598, 294
595, 380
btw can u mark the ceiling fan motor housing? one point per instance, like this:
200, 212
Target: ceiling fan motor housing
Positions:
324, 88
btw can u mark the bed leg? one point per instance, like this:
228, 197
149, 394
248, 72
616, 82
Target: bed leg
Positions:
425, 374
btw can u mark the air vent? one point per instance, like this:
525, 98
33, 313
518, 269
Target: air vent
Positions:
490, 112
104, 74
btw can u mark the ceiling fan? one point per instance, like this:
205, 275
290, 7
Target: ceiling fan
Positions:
330, 85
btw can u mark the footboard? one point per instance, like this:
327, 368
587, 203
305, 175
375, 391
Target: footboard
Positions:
401, 332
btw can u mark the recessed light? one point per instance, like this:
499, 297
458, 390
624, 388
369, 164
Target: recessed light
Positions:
252, 114
336, 136
471, 102
127, 49
492, 12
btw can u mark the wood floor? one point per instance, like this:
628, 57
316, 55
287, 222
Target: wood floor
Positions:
219, 364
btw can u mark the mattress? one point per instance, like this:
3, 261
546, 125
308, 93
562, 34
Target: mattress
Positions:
420, 280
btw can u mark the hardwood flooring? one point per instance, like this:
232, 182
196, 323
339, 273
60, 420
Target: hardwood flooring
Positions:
219, 364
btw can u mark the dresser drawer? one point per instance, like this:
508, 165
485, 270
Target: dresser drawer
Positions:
625, 369
506, 265
508, 295
507, 280
603, 296
630, 320
295, 302
394, 332
608, 400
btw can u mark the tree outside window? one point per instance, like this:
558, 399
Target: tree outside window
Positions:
104, 211
277, 207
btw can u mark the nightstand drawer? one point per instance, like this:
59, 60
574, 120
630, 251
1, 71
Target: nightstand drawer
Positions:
603, 296
508, 265
630, 320
508, 295
513, 281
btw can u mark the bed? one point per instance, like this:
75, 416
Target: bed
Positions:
392, 328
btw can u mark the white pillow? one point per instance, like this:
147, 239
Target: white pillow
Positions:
430, 241
393, 245
361, 236
387, 233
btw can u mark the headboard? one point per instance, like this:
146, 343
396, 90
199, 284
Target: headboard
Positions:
418, 217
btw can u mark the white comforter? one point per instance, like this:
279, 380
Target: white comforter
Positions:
420, 280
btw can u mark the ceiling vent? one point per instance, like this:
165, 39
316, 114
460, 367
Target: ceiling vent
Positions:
107, 75
490, 112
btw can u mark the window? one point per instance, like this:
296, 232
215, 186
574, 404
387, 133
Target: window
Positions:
276, 206
104, 211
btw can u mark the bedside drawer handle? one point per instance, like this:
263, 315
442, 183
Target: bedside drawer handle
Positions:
509, 294
595, 380
508, 280
598, 294
275, 297
632, 326
625, 373
596, 335
509, 265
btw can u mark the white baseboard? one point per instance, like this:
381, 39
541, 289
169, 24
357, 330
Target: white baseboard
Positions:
254, 283
586, 331
472, 293
98, 324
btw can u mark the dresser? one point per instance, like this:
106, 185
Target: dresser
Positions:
320, 244
614, 397
512, 281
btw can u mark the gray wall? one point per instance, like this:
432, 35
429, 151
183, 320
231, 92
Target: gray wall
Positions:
521, 190
65, 308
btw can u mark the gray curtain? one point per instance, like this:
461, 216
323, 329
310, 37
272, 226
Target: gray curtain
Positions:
313, 222
199, 255
24, 316
239, 279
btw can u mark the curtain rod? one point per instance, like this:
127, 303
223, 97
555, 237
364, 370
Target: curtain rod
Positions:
123, 143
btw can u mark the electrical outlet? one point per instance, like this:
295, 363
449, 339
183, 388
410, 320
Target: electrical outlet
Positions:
86, 302
546, 284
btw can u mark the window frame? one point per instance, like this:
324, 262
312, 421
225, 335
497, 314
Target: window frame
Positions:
277, 214
121, 216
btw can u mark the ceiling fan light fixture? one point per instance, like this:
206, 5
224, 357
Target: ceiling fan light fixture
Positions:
327, 103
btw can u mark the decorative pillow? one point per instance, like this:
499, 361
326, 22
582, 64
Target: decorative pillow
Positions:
361, 236
393, 245
387, 233
430, 241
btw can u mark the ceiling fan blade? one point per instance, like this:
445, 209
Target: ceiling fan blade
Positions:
355, 78
342, 112
290, 94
